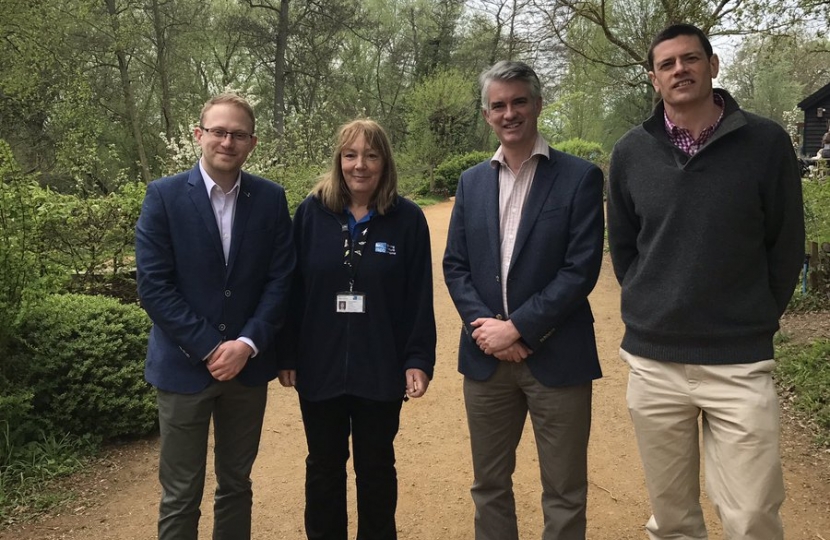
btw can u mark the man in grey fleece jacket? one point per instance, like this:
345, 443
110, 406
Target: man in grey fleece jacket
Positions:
706, 229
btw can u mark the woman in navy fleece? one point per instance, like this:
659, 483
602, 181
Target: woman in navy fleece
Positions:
362, 335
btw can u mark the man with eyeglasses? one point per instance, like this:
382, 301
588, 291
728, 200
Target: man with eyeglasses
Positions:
214, 258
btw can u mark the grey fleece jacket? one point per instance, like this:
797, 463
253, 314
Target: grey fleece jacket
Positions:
707, 248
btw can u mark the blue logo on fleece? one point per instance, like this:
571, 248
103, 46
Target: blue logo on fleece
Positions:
383, 247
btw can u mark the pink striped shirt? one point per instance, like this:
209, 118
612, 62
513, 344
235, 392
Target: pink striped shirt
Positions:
513, 190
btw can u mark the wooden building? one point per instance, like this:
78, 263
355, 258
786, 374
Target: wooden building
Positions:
816, 109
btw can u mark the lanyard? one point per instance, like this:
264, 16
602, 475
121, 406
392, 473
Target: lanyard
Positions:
353, 250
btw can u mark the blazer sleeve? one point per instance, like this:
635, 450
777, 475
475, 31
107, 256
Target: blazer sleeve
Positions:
156, 276
542, 312
264, 324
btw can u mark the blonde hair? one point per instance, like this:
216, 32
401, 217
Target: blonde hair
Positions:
232, 99
331, 188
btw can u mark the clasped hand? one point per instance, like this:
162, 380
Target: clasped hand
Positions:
228, 359
500, 339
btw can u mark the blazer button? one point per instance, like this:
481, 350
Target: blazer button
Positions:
222, 327
227, 294
499, 316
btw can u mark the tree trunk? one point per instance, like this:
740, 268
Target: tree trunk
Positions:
127, 91
279, 70
162, 69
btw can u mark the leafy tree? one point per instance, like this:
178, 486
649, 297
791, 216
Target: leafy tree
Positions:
433, 24
89, 237
269, 34
120, 37
30, 81
18, 263
629, 25
442, 115
771, 74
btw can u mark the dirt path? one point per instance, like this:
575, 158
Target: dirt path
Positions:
433, 460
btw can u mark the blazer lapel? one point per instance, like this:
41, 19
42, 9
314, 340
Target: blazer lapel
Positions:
490, 191
543, 181
244, 204
198, 194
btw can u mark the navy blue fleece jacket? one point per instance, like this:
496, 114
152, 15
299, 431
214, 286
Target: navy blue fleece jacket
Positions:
360, 354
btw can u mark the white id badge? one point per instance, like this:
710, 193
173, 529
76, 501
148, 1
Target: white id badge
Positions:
351, 302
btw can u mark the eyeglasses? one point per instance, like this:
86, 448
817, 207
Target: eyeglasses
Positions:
219, 133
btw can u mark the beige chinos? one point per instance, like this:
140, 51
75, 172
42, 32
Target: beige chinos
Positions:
738, 410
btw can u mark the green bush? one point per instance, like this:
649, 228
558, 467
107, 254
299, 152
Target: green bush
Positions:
82, 358
413, 175
591, 151
296, 180
817, 210
448, 172
817, 228
15, 410
804, 374
89, 237
19, 259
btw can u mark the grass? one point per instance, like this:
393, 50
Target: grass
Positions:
803, 373
810, 301
428, 200
28, 473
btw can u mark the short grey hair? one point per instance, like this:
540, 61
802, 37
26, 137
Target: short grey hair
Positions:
509, 70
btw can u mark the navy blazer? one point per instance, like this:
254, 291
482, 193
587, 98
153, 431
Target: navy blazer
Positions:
194, 299
555, 265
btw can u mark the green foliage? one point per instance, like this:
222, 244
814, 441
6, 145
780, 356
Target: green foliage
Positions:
27, 470
428, 200
82, 359
412, 180
591, 151
441, 120
809, 302
86, 155
804, 375
581, 148
297, 182
772, 73
816, 190
47, 235
18, 258
449, 171
89, 237
817, 210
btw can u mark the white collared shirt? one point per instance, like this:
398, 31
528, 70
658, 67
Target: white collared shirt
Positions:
224, 207
513, 191
224, 210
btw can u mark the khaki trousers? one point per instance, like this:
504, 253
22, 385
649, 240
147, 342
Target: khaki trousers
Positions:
561, 418
738, 410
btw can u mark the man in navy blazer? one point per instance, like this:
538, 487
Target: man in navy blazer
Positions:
523, 253
214, 258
